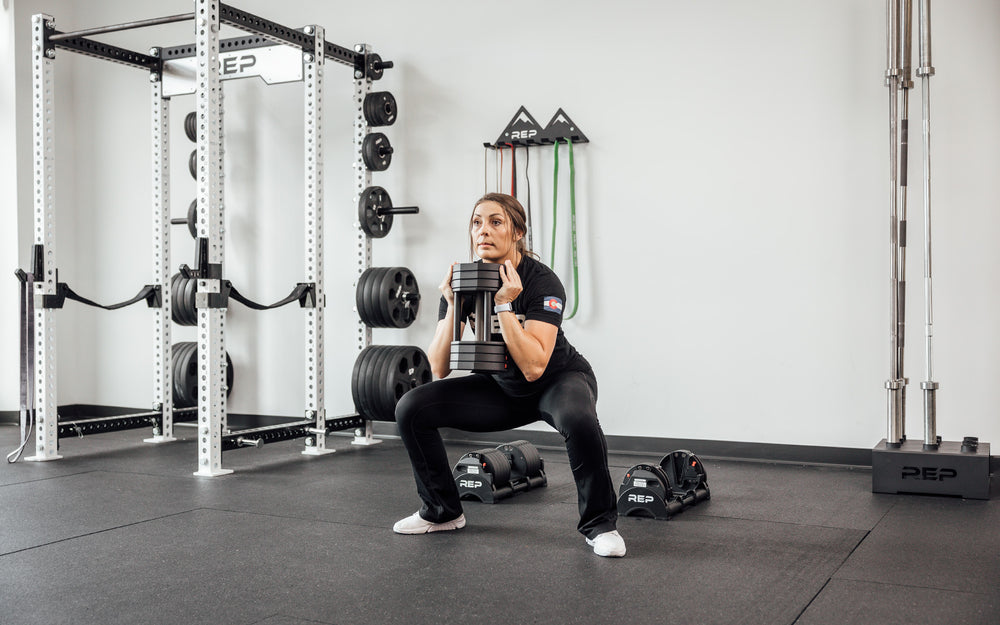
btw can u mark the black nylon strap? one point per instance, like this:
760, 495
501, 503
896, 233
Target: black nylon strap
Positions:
147, 293
298, 294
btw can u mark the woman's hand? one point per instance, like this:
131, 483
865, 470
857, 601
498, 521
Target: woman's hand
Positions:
511, 286
445, 286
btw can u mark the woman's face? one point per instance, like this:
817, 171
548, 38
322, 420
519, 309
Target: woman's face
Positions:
493, 237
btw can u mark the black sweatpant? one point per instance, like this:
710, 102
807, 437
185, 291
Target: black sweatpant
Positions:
476, 403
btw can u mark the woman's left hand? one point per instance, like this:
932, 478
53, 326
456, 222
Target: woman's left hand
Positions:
511, 286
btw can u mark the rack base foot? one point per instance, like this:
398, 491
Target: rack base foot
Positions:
211, 473
42, 458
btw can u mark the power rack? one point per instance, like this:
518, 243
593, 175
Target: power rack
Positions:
277, 54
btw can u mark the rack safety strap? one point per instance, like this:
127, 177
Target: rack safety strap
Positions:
27, 331
572, 205
301, 293
150, 293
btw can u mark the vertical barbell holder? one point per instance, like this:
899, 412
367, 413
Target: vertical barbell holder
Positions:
362, 180
211, 318
925, 71
315, 361
895, 404
163, 400
43, 98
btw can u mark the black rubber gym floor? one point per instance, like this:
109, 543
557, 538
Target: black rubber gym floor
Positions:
120, 531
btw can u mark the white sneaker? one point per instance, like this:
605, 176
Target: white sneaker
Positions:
609, 544
415, 524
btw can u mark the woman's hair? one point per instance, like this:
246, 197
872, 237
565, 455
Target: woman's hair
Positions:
516, 217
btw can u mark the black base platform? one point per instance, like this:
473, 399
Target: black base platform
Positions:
944, 471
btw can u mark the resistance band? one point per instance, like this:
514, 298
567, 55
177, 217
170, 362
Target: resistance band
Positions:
527, 181
572, 207
513, 170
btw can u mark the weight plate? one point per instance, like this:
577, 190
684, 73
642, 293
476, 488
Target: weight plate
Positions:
359, 298
649, 476
498, 465
192, 218
189, 311
193, 164
371, 297
191, 126
381, 368
369, 383
388, 382
356, 380
376, 150
372, 201
413, 370
402, 312
373, 69
363, 378
380, 108
184, 375
477, 366
472, 348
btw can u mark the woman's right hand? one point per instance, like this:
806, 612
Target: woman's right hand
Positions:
445, 286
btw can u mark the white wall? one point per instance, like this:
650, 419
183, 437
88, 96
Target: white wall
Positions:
732, 204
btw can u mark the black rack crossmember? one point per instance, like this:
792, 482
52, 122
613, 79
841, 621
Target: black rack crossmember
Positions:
266, 32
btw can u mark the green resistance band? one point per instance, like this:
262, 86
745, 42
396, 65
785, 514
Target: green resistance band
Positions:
572, 207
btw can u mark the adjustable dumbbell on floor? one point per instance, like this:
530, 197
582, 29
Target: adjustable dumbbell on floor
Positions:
491, 474
662, 490
480, 281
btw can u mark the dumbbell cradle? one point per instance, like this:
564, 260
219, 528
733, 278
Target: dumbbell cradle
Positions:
491, 474
662, 490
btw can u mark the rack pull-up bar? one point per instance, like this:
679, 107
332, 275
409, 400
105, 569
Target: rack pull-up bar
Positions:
156, 21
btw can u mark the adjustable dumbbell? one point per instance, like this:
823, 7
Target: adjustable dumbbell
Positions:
480, 281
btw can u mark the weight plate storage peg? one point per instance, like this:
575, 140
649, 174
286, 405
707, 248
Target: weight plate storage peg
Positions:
646, 491
185, 369
376, 152
380, 108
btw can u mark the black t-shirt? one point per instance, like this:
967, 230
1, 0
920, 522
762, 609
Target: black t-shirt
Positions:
542, 299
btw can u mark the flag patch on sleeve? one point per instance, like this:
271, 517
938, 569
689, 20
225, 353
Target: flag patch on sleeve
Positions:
552, 304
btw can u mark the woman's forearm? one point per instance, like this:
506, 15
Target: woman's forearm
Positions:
439, 352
